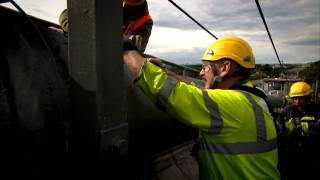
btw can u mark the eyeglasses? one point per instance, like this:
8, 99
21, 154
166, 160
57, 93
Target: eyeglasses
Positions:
205, 67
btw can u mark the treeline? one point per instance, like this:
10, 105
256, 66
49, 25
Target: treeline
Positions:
309, 72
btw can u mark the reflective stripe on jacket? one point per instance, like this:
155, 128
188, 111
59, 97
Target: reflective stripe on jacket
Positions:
133, 25
236, 130
294, 123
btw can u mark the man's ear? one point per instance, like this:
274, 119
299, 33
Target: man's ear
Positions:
225, 68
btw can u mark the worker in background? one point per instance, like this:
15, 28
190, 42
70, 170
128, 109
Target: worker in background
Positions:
137, 22
64, 21
237, 136
300, 145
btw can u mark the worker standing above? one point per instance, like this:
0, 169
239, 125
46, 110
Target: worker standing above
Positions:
237, 135
301, 131
137, 21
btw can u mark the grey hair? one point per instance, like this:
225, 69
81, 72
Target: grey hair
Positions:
235, 70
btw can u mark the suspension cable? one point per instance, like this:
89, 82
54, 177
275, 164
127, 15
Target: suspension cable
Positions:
177, 6
265, 24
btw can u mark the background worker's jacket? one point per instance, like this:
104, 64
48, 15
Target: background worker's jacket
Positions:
236, 131
133, 25
291, 117
299, 144
142, 27
300, 130
138, 23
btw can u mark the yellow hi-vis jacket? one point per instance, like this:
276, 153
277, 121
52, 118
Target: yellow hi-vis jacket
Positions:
236, 131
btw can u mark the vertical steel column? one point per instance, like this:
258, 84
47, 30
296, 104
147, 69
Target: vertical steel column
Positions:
316, 91
95, 59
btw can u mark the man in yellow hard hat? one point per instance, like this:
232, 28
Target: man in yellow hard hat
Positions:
301, 128
300, 114
237, 136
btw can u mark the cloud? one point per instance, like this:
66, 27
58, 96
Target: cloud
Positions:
48, 10
294, 26
182, 56
305, 42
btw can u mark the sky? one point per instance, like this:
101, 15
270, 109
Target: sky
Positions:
294, 26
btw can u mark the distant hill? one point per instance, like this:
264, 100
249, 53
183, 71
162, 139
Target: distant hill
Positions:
311, 72
307, 71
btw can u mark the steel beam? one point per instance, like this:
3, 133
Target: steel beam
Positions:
96, 66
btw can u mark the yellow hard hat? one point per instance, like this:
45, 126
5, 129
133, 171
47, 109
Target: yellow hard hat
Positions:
233, 48
300, 89
133, 2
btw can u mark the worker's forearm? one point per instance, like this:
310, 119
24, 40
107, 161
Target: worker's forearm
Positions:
134, 61
177, 77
